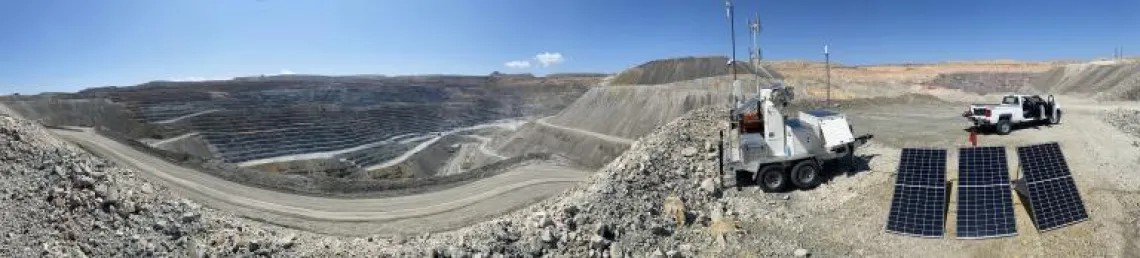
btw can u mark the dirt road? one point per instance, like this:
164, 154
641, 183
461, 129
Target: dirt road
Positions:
606, 137
416, 214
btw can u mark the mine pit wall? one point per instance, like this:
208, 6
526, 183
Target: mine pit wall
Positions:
423, 164
193, 145
56, 111
1118, 81
1105, 81
986, 82
323, 185
309, 167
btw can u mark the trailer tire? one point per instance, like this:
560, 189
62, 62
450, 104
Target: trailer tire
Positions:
1003, 127
772, 179
806, 174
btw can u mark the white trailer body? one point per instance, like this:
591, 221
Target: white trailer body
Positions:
762, 140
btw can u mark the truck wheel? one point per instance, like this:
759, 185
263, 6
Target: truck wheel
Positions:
1003, 127
772, 179
806, 175
1056, 119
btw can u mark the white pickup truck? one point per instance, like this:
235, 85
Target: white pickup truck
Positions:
1014, 110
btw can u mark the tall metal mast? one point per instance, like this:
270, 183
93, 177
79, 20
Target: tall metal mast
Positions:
754, 26
827, 63
732, 32
754, 52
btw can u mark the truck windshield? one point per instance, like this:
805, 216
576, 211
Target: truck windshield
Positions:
1009, 100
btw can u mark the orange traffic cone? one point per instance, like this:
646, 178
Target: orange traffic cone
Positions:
973, 137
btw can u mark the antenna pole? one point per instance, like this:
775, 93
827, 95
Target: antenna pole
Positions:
732, 31
827, 63
754, 53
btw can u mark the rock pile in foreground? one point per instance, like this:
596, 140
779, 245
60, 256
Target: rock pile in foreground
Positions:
60, 201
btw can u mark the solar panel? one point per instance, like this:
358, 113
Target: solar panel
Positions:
1042, 162
918, 211
985, 211
1053, 198
983, 166
918, 207
1056, 203
926, 167
985, 203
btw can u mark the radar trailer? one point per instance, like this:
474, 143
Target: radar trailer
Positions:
778, 152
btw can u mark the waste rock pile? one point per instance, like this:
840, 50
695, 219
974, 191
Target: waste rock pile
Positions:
60, 201
1128, 121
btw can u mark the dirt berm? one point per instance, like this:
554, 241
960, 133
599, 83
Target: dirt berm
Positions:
603, 122
680, 69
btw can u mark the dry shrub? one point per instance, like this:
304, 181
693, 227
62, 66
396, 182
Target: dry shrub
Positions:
720, 229
676, 208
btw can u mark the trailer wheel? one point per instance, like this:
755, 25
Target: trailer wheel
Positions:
806, 174
772, 179
1003, 127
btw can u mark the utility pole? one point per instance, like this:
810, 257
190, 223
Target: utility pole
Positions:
827, 64
732, 31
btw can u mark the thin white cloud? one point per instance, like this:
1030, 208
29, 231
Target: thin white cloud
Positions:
286, 72
520, 64
548, 59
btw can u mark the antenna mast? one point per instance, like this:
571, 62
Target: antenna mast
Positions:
754, 51
732, 31
754, 26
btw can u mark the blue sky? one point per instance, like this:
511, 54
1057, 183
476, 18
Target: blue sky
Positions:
65, 45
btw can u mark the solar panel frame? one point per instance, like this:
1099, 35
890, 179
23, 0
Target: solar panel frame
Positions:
918, 205
1054, 200
985, 198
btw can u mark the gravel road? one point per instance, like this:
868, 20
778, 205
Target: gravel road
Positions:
394, 215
